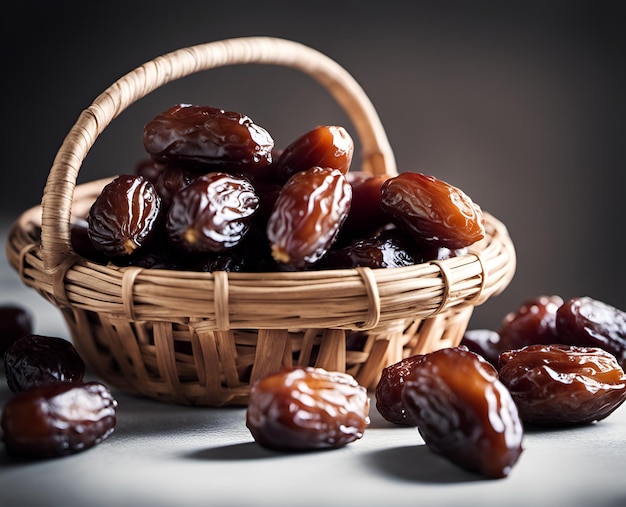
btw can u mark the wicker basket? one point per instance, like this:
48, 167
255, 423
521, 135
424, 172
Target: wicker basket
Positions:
203, 338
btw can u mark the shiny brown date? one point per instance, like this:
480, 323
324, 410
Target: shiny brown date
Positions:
208, 137
36, 360
124, 215
561, 385
464, 412
588, 322
212, 214
58, 419
432, 210
390, 249
324, 146
388, 392
307, 408
307, 216
534, 322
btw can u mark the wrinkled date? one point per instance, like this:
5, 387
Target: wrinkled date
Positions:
588, 322
307, 408
307, 216
484, 342
390, 249
36, 360
388, 392
124, 215
433, 211
208, 137
559, 385
464, 412
15, 322
58, 419
212, 214
534, 322
324, 146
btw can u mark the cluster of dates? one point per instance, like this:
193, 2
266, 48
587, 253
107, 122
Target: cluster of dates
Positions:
552, 363
53, 411
216, 194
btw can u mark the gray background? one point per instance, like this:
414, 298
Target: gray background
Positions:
520, 104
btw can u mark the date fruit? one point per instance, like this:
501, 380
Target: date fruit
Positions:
388, 392
212, 214
390, 249
15, 321
432, 211
208, 138
324, 146
307, 408
484, 342
562, 385
588, 322
36, 360
58, 419
124, 215
534, 322
307, 216
464, 412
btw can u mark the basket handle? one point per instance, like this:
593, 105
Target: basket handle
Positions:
377, 156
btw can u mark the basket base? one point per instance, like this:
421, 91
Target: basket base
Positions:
187, 363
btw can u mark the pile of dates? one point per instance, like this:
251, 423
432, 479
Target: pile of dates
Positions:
215, 194
53, 410
551, 363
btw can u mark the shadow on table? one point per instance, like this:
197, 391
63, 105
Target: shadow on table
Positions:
417, 463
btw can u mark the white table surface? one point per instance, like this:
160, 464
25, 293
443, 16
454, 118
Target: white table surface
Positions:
168, 455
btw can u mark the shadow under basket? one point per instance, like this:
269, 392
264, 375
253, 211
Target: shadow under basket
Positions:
203, 338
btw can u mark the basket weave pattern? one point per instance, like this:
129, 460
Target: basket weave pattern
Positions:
203, 338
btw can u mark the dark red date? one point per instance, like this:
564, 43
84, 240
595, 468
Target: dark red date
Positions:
562, 385
389, 389
124, 215
432, 211
58, 419
484, 342
212, 214
15, 321
208, 138
588, 322
307, 216
36, 360
307, 408
464, 412
534, 322
390, 249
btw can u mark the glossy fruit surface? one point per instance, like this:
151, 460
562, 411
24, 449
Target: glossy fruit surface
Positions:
389, 389
124, 215
209, 138
307, 408
432, 210
307, 216
58, 419
36, 360
589, 322
212, 214
325, 146
464, 412
561, 385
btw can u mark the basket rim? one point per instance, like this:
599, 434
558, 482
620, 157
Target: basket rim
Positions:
360, 298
